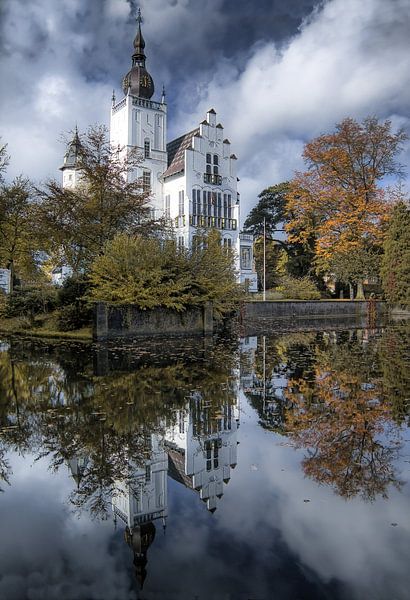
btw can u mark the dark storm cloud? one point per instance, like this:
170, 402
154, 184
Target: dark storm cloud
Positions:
277, 72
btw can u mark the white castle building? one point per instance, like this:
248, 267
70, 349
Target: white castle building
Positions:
192, 179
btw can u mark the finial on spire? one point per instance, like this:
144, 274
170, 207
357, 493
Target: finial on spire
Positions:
163, 95
139, 18
113, 97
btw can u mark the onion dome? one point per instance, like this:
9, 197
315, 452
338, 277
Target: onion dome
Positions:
138, 82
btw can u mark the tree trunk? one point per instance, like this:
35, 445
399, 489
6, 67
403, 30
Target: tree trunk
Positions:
360, 291
351, 291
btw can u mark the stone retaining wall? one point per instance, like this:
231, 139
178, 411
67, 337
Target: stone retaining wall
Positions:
312, 308
128, 321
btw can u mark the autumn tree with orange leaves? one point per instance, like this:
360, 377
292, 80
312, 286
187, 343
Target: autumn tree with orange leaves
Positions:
339, 201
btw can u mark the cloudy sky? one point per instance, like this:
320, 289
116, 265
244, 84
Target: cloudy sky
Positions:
277, 72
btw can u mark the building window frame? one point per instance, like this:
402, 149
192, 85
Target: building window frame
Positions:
147, 148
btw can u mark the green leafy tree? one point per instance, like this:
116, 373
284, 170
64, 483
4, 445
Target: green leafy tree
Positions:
4, 160
270, 215
270, 208
18, 241
354, 267
396, 260
107, 200
213, 275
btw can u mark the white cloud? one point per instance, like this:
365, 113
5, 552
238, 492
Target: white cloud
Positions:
349, 58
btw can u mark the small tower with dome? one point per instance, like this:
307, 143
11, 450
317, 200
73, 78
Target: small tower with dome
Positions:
70, 164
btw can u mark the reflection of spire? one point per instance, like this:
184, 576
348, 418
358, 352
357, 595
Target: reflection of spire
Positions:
139, 539
141, 500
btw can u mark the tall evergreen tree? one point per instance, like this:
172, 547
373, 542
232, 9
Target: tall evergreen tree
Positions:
396, 260
271, 208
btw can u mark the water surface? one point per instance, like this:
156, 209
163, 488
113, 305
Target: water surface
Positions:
270, 467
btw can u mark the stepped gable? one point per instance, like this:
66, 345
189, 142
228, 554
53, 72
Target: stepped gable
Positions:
176, 468
176, 152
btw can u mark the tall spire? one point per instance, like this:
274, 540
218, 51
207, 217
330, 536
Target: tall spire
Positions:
138, 58
138, 82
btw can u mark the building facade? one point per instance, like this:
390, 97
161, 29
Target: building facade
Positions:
192, 179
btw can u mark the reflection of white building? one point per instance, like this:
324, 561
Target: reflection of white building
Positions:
192, 179
202, 448
143, 497
142, 500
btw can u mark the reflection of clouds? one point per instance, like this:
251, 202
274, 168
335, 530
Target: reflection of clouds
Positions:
47, 553
351, 541
264, 541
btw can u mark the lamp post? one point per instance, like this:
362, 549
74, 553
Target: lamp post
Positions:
264, 259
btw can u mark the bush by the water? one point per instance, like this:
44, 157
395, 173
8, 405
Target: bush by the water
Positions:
74, 309
294, 288
154, 272
29, 302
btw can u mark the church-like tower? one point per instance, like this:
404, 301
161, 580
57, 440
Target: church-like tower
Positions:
71, 162
141, 123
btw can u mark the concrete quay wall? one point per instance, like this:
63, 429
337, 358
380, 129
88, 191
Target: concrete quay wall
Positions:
312, 308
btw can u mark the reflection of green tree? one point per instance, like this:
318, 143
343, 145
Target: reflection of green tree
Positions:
53, 405
395, 366
285, 356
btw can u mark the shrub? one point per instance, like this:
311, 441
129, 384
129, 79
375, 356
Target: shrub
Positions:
74, 316
72, 290
29, 302
294, 288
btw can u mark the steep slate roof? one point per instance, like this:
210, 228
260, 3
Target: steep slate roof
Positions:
176, 152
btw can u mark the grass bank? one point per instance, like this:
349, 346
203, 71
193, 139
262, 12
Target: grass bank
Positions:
44, 326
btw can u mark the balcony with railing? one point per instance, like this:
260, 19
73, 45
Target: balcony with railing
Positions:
212, 179
216, 222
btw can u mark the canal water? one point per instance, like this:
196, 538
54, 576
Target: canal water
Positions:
270, 467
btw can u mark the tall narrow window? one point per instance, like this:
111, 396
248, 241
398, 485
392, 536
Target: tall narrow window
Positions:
147, 149
194, 202
181, 203
205, 203
216, 165
146, 181
225, 206
229, 206
147, 473
167, 206
219, 204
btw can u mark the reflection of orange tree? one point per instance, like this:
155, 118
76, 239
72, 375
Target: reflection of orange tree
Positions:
345, 425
